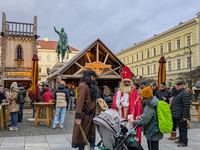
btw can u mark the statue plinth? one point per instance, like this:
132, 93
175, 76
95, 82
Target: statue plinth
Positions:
57, 66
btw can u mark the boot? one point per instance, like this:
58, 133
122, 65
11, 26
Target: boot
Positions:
173, 136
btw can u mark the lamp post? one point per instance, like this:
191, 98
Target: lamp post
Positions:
190, 62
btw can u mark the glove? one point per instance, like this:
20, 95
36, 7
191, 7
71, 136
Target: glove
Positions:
122, 100
125, 104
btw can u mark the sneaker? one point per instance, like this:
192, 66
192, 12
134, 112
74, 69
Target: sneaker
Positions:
13, 128
61, 127
53, 127
58, 122
178, 141
182, 145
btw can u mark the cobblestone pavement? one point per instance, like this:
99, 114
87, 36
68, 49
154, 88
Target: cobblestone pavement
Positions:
26, 128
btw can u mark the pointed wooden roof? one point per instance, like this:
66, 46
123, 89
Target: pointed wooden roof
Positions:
96, 56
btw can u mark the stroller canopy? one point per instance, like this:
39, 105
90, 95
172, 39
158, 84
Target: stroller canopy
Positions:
108, 125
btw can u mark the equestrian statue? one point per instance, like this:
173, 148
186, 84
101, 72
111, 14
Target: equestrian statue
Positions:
62, 45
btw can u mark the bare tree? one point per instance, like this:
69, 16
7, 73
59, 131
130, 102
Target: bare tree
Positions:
190, 77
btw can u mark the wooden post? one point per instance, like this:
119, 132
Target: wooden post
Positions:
97, 52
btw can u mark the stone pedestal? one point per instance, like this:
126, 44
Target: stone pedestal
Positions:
57, 66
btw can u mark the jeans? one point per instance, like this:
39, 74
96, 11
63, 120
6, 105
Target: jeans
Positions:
13, 119
71, 102
32, 101
20, 112
57, 115
174, 124
106, 97
154, 145
182, 125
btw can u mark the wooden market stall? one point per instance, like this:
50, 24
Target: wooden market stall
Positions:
96, 56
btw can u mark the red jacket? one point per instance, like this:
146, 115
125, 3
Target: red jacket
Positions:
45, 97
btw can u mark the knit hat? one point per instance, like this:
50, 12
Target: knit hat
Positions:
50, 87
144, 82
163, 84
14, 84
146, 92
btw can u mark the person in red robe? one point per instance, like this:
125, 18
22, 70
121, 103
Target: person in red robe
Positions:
127, 101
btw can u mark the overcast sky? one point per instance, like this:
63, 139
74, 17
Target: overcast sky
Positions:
118, 23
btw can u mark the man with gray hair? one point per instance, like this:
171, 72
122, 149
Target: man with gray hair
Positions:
180, 109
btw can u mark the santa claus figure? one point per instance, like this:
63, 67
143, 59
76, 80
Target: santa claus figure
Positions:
127, 101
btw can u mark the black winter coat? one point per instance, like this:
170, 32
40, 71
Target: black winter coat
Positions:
164, 93
180, 107
2, 96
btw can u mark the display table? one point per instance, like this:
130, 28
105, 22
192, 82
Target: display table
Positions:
4, 115
39, 116
197, 104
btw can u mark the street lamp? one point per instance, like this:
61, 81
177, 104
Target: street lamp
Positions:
190, 60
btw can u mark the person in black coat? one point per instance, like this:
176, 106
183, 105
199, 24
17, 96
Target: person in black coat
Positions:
163, 93
180, 109
174, 90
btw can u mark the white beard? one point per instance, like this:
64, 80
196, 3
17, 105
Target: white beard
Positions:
127, 89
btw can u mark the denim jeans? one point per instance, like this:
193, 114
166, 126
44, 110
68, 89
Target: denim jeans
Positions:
57, 115
13, 119
71, 102
20, 112
32, 101
106, 97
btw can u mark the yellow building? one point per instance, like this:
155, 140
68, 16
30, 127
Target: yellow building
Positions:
142, 58
48, 57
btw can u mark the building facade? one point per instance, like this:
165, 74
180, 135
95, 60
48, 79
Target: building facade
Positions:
174, 44
48, 57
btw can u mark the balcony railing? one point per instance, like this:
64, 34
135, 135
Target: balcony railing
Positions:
20, 29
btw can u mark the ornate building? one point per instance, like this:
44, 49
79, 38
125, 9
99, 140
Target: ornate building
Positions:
174, 44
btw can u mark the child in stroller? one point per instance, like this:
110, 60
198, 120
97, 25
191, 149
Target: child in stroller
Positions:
112, 133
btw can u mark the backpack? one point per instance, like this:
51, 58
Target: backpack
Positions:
165, 122
20, 98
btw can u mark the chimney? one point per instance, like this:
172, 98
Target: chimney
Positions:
46, 39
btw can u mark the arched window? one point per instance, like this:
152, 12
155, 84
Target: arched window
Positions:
56, 58
40, 57
65, 59
19, 52
48, 58
39, 69
48, 70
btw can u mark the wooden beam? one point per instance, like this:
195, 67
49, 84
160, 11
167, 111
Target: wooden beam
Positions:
78, 65
111, 71
97, 52
106, 58
88, 57
79, 71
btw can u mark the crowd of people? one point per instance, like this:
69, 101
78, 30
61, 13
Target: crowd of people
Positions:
135, 102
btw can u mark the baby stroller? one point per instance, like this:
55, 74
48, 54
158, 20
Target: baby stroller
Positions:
112, 133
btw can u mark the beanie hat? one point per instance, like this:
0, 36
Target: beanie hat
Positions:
146, 92
14, 84
144, 82
163, 84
